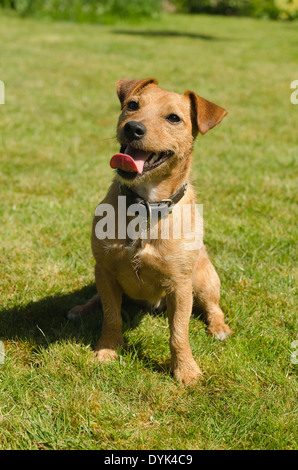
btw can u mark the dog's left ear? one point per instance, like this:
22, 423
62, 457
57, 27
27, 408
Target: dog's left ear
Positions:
205, 115
129, 86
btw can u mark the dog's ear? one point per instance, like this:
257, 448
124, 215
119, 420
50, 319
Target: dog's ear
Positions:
205, 115
128, 86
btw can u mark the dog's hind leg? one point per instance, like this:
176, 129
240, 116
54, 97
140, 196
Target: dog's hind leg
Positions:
206, 289
86, 309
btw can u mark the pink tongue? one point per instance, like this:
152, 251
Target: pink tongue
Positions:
132, 161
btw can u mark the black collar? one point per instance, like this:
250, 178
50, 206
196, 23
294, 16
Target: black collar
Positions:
136, 198
164, 207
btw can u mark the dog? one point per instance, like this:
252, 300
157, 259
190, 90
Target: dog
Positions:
156, 131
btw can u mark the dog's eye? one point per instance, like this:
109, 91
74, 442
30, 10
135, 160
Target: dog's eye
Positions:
173, 118
132, 105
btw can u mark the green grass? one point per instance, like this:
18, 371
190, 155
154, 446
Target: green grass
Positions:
57, 134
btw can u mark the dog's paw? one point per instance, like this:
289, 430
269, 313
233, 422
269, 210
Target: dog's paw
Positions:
106, 355
85, 309
76, 312
187, 374
222, 335
221, 331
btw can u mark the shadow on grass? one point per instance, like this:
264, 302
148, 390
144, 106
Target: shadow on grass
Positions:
165, 34
44, 322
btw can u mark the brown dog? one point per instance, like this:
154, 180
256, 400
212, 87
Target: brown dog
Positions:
156, 130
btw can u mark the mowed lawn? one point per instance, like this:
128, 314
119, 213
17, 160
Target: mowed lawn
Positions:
57, 135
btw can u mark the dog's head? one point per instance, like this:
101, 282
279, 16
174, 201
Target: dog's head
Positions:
157, 128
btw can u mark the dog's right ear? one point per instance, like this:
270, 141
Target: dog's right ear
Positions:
205, 115
129, 86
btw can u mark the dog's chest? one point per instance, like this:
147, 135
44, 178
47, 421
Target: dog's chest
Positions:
141, 272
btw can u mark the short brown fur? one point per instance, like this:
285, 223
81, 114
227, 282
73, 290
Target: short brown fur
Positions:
156, 270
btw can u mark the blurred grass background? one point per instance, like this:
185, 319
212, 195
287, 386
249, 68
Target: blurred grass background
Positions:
57, 134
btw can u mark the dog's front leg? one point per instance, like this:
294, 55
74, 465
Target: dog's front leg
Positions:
111, 297
179, 307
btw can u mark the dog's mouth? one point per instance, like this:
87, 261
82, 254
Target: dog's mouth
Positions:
135, 161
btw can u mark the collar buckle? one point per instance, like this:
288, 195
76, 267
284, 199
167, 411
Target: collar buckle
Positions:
164, 207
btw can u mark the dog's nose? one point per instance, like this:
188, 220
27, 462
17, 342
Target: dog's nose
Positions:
134, 130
